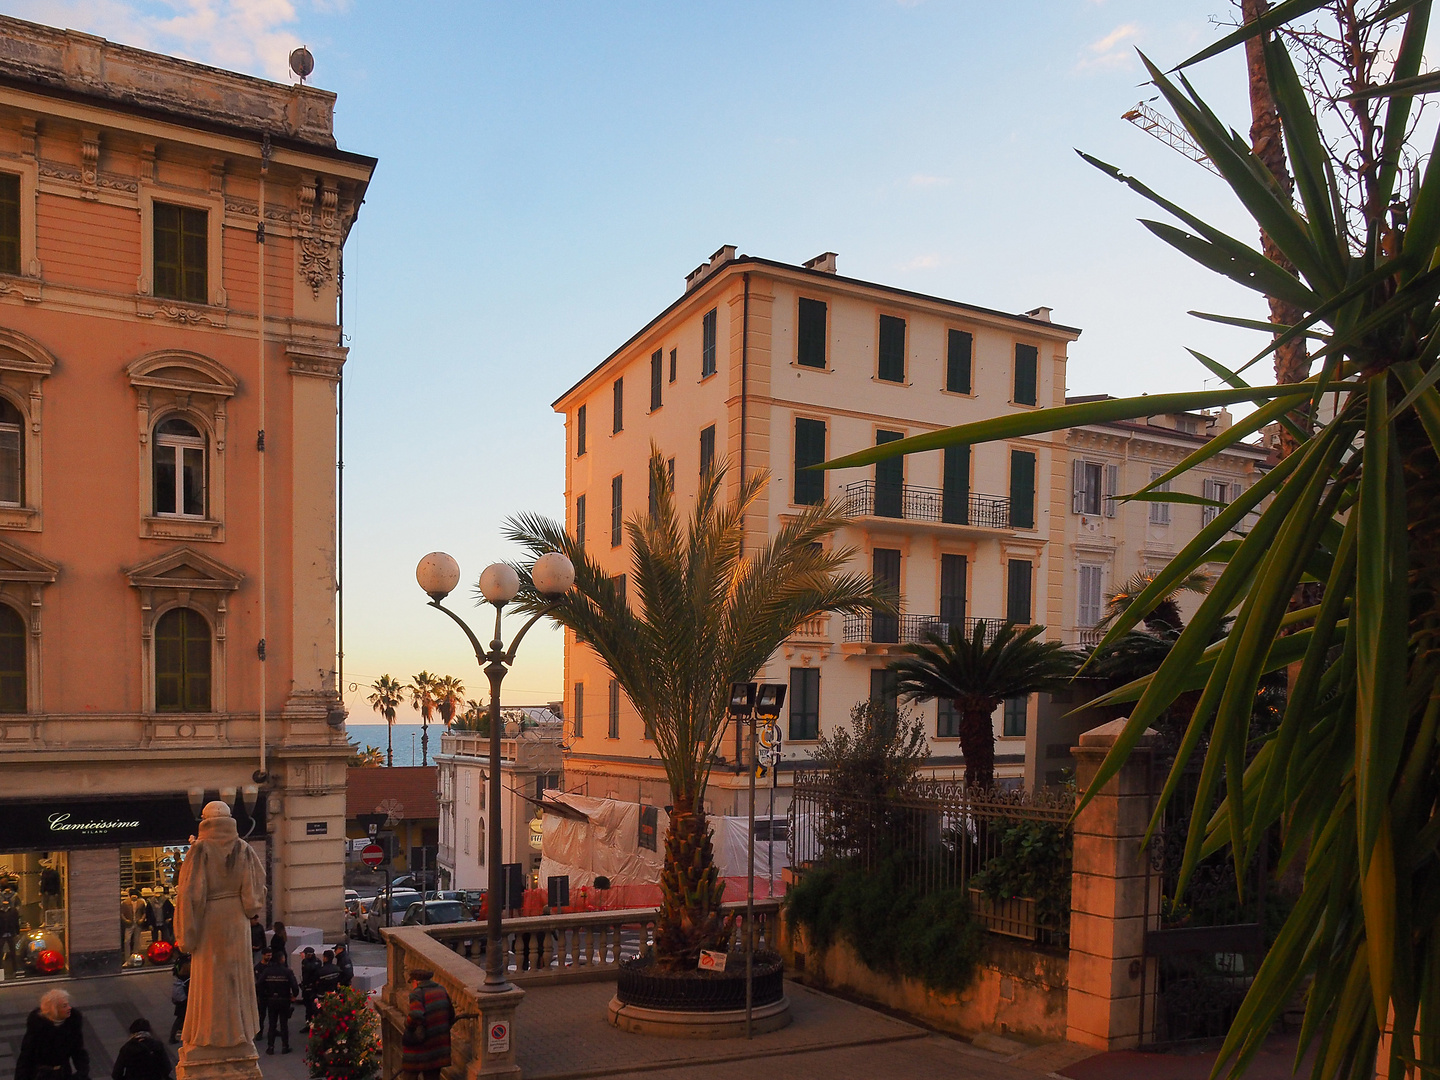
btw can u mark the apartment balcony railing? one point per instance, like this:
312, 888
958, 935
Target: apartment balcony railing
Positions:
816, 629
878, 629
1090, 636
870, 498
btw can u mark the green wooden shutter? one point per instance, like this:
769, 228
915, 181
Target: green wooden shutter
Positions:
1027, 371
889, 479
957, 361
580, 520
707, 449
580, 431
892, 349
657, 378
707, 345
809, 485
618, 420
1017, 593
617, 510
810, 336
952, 589
955, 497
1022, 489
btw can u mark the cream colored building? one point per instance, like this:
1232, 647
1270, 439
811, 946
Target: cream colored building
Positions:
773, 367
170, 348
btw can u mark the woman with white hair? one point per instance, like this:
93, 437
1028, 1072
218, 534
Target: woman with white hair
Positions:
54, 1044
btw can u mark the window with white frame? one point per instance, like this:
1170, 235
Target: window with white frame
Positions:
1092, 487
1091, 595
179, 469
1220, 491
1159, 511
466, 833
467, 787
12, 465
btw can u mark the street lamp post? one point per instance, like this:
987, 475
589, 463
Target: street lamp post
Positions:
553, 575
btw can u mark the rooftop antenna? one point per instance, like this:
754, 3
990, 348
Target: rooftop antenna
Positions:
302, 63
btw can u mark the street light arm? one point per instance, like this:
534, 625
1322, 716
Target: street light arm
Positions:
510, 655
479, 651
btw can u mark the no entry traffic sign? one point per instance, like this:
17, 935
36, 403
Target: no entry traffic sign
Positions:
372, 855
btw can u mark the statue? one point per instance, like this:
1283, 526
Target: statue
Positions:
222, 884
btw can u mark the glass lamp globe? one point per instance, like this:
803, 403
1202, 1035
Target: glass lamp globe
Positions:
438, 574
499, 583
553, 574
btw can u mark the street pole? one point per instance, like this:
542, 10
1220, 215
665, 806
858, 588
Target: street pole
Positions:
770, 835
495, 978
750, 896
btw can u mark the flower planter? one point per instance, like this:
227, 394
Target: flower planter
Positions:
1013, 916
699, 1004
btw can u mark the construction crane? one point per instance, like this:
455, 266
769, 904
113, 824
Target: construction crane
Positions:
1167, 131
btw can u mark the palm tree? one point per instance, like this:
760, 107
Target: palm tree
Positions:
449, 693
475, 717
977, 677
422, 698
703, 613
387, 696
1164, 612
368, 758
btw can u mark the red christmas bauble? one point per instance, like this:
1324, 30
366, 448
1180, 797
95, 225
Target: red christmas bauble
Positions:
49, 962
159, 952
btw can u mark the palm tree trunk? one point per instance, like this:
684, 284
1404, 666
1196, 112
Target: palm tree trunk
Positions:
691, 891
977, 742
390, 742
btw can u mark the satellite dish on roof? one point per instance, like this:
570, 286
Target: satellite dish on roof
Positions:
302, 62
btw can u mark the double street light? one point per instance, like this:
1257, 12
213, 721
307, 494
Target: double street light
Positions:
553, 575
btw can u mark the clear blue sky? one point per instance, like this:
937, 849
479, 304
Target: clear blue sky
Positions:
549, 173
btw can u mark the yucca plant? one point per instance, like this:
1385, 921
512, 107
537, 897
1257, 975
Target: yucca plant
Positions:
1352, 774
702, 612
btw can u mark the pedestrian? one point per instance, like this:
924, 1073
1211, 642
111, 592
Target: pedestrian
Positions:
309, 972
327, 979
280, 943
425, 1044
53, 1047
179, 993
142, 1057
257, 940
345, 964
276, 990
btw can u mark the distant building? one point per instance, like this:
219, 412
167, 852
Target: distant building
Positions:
401, 804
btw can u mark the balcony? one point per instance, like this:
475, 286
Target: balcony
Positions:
869, 498
877, 629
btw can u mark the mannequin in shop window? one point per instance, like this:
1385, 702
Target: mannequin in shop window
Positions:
50, 896
9, 925
132, 919
162, 916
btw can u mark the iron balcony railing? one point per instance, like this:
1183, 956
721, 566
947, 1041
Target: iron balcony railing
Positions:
872, 498
880, 629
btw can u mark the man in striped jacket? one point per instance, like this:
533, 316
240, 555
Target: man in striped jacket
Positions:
425, 1047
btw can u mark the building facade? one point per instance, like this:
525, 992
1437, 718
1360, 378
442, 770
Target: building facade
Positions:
775, 367
170, 241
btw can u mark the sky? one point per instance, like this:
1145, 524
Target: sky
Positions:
548, 173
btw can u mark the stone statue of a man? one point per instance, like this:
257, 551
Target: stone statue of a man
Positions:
222, 884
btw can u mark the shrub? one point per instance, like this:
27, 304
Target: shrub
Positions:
344, 1039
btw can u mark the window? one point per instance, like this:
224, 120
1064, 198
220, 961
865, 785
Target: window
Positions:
1016, 709
618, 421
614, 729
809, 450
9, 223
947, 721
579, 727
670, 472
1017, 593
889, 479
12, 464
580, 520
466, 834
952, 590
672, 365
622, 584
1022, 489
892, 349
707, 449
1221, 491
617, 510
181, 254
959, 347
707, 345
955, 484
1159, 511
179, 468
804, 704
885, 687
1087, 482
1027, 375
657, 378
810, 336
13, 697
580, 431
182, 662
885, 572
653, 498
1091, 600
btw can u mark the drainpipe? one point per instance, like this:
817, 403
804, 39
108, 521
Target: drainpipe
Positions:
261, 773
744, 403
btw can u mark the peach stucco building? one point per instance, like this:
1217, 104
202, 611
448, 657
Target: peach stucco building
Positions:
167, 477
775, 366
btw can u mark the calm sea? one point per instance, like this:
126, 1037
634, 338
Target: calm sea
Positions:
406, 739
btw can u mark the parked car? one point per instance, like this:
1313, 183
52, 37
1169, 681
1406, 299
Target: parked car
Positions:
435, 913
416, 881
354, 910
374, 917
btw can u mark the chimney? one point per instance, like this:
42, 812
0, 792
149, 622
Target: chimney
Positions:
722, 256
825, 263
1039, 314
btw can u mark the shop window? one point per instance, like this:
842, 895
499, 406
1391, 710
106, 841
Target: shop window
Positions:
33, 895
182, 662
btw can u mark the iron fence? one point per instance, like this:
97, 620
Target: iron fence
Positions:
882, 629
1011, 851
872, 498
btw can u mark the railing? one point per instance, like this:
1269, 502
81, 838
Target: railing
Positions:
1010, 851
881, 629
583, 946
872, 498
816, 629
1089, 636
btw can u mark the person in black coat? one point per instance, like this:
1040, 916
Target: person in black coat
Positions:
54, 1044
309, 972
276, 990
257, 940
345, 964
142, 1057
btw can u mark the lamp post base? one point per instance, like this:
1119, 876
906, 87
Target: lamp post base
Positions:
496, 1044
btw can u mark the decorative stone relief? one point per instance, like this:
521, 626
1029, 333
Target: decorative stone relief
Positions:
317, 264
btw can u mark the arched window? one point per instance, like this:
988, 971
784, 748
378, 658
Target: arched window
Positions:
13, 698
179, 477
182, 662
12, 465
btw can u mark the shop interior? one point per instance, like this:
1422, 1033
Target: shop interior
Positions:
33, 891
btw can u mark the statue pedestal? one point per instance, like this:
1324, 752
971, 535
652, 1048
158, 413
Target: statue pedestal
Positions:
218, 1063
495, 1058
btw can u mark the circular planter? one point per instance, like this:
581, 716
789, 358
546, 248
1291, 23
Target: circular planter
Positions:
699, 1004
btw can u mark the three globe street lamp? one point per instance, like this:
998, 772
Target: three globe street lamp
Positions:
553, 575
